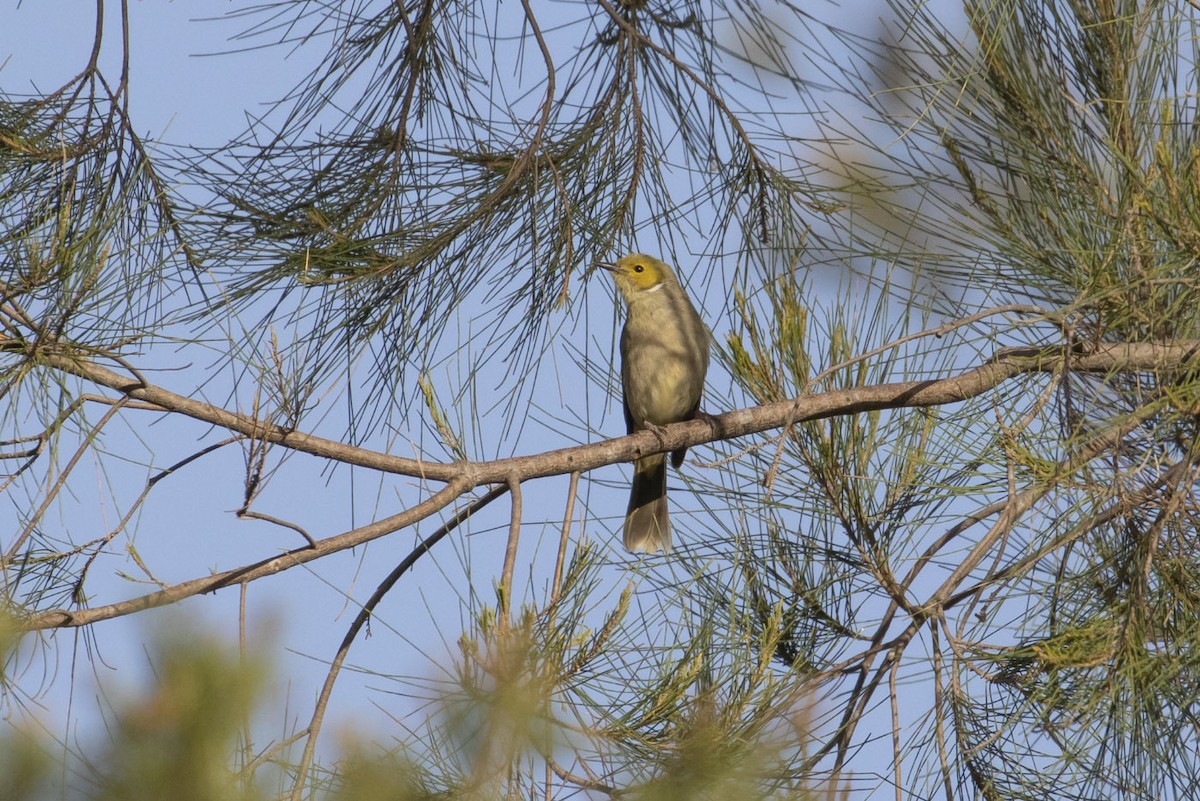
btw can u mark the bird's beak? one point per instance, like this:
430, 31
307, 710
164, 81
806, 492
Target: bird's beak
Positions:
612, 268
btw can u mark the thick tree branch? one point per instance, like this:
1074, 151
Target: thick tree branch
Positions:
1011, 362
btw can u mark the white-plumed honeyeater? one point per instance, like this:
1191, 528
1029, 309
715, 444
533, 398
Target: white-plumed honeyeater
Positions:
664, 358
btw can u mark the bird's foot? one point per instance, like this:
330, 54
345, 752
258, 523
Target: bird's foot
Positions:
711, 419
660, 432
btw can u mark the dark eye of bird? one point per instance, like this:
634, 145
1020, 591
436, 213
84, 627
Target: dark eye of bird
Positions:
637, 268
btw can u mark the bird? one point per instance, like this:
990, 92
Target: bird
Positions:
664, 360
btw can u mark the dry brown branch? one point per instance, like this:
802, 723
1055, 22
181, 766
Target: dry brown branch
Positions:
1104, 358
464, 476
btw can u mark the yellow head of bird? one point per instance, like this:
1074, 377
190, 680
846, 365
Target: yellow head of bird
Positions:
637, 273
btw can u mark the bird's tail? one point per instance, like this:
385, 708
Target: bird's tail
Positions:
646, 525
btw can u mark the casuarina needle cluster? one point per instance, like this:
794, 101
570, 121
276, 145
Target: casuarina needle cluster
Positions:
664, 358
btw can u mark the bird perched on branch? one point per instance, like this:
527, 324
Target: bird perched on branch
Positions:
664, 358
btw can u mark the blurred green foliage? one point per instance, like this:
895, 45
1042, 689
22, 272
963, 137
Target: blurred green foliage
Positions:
184, 737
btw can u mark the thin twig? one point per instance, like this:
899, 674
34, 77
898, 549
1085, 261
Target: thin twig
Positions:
556, 588
246, 514
939, 331
510, 552
939, 705
247, 747
895, 703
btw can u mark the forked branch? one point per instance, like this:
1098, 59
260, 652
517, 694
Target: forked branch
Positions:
462, 477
